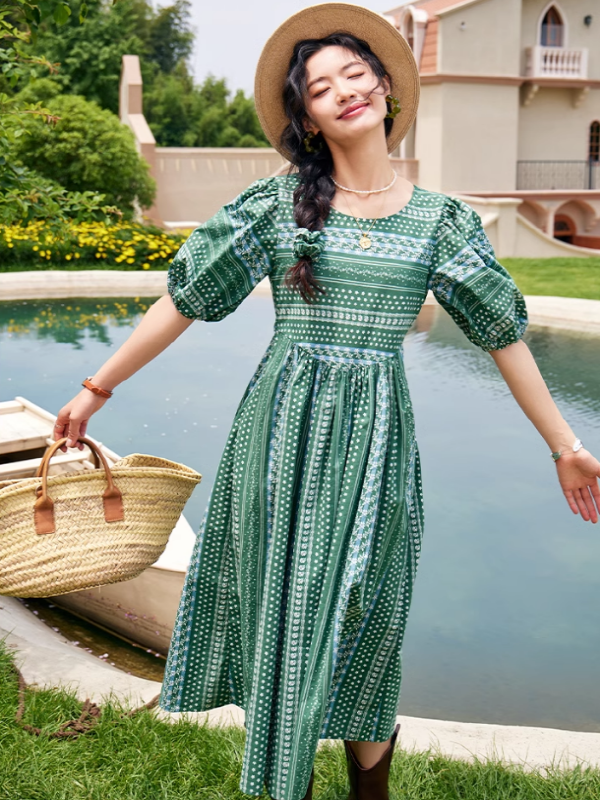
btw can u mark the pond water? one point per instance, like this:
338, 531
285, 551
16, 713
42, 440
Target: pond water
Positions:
505, 621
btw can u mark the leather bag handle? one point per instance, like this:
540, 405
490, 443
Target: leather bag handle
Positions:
43, 511
94, 453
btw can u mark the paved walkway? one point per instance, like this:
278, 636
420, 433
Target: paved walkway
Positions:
558, 312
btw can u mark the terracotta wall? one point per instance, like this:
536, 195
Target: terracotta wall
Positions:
587, 241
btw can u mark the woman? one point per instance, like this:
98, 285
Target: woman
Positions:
298, 590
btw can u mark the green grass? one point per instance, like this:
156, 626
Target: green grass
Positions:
144, 758
562, 277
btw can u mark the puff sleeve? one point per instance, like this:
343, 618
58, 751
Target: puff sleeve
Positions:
224, 258
470, 284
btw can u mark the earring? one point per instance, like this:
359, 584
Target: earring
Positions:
308, 143
395, 106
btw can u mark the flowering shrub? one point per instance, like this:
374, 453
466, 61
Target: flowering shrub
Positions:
85, 245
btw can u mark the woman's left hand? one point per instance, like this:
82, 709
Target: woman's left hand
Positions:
578, 475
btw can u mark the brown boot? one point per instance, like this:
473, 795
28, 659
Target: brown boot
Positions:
372, 783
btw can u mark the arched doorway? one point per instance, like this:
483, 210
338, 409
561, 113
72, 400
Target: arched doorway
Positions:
564, 228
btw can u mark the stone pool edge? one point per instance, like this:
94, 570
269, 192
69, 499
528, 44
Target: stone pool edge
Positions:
568, 313
47, 659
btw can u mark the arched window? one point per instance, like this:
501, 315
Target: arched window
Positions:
594, 148
410, 32
552, 28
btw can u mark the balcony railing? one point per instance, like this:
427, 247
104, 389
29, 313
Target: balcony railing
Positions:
541, 175
555, 62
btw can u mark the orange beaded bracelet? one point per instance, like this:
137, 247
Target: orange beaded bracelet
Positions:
96, 389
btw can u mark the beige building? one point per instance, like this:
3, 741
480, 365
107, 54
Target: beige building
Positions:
510, 106
508, 119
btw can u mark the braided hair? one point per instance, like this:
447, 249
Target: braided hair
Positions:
315, 189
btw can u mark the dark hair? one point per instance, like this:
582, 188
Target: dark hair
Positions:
315, 190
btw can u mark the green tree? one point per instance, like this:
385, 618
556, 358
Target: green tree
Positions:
90, 56
87, 149
242, 116
24, 195
169, 40
179, 112
172, 108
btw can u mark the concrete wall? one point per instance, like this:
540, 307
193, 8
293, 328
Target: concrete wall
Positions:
428, 136
531, 242
194, 182
551, 128
511, 234
479, 144
466, 137
131, 114
489, 43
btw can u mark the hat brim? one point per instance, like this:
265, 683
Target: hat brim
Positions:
316, 22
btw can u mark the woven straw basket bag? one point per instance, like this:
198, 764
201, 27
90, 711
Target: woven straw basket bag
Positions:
73, 531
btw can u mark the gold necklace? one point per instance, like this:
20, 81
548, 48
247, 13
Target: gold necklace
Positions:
364, 240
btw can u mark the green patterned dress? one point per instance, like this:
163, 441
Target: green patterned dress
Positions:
296, 598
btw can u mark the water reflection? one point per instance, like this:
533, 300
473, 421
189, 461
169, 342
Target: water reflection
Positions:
568, 360
505, 621
68, 321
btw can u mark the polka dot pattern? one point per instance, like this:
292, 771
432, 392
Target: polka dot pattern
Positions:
297, 594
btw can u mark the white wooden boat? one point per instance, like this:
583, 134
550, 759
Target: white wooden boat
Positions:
142, 609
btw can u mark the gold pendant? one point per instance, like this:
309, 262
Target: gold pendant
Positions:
364, 242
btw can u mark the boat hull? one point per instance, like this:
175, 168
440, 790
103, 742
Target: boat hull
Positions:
142, 609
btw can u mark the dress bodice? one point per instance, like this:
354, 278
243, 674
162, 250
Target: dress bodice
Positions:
372, 296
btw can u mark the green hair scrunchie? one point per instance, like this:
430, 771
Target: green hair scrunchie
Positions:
307, 243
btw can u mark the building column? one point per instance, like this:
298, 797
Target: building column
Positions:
550, 211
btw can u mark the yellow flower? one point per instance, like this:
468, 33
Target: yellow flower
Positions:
145, 265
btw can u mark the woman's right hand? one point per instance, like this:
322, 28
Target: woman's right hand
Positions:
160, 326
72, 419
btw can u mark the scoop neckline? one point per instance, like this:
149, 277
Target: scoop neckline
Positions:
389, 216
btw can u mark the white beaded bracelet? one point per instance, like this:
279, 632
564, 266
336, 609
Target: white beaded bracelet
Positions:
577, 445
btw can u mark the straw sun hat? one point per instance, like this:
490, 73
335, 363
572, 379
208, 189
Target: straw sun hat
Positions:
316, 22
